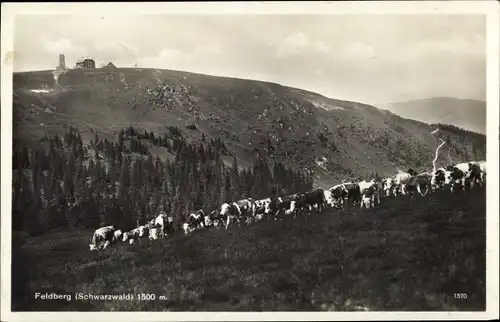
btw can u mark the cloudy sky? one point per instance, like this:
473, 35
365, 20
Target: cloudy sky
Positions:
371, 59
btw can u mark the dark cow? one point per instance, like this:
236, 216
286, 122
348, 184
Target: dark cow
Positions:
438, 179
420, 183
103, 237
315, 198
347, 191
281, 204
197, 219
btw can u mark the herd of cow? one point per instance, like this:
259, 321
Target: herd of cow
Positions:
462, 176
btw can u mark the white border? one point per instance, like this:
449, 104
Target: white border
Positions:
488, 8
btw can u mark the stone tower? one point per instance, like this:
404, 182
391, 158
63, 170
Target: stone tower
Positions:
62, 62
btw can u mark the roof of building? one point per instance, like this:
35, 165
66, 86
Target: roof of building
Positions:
110, 65
81, 60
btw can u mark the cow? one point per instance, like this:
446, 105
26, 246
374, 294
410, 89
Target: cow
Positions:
482, 167
368, 192
464, 174
131, 236
387, 185
197, 219
479, 172
215, 218
420, 183
102, 238
262, 206
315, 198
329, 198
281, 204
346, 191
161, 225
438, 179
187, 228
117, 235
292, 209
398, 181
229, 212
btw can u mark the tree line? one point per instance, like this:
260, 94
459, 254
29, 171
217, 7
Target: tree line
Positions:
63, 182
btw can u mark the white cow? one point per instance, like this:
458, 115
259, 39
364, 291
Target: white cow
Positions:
159, 226
398, 181
117, 235
482, 167
292, 209
462, 173
102, 238
368, 191
187, 229
329, 198
132, 235
263, 206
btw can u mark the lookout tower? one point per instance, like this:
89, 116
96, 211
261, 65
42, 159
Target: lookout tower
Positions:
62, 62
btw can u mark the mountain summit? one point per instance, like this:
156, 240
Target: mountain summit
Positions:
333, 139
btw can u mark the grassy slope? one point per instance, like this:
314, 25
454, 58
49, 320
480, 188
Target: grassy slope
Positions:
244, 113
403, 255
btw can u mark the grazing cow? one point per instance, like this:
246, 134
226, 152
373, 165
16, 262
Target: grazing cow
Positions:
262, 206
438, 179
117, 235
315, 198
187, 228
387, 186
144, 230
292, 209
420, 182
197, 219
102, 238
215, 218
207, 221
329, 198
281, 204
398, 181
482, 167
478, 169
368, 192
131, 236
345, 193
161, 226
231, 213
464, 174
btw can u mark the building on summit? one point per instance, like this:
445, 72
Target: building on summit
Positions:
85, 63
62, 63
110, 65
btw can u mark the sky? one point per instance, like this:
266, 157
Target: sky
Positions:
374, 59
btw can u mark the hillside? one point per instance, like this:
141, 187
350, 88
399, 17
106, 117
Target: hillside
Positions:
465, 113
334, 139
405, 255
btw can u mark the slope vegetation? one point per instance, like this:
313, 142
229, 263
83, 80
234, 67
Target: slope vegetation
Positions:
403, 255
333, 139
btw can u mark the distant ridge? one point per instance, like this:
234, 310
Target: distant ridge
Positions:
465, 113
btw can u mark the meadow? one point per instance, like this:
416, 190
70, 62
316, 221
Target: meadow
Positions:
403, 255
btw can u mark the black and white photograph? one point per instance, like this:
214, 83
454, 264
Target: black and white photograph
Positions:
215, 159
